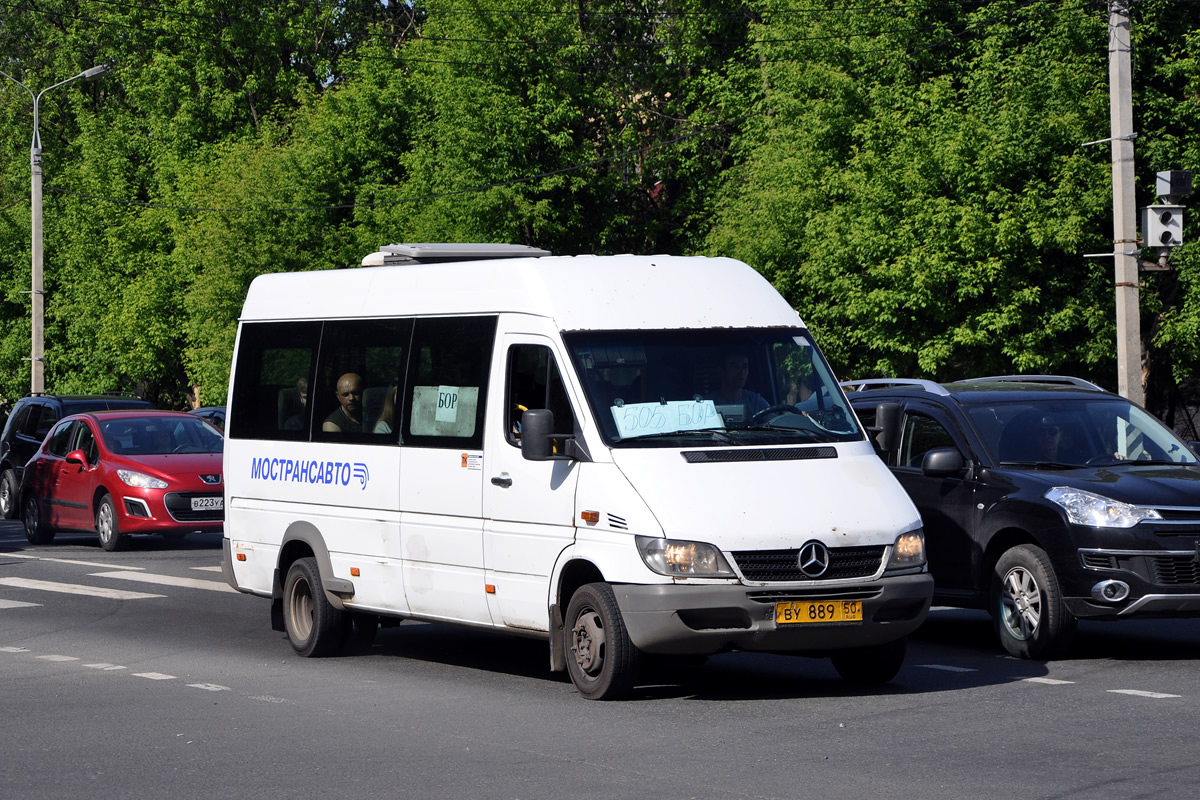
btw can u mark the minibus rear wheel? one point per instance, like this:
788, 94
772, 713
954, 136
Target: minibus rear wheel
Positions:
314, 626
601, 660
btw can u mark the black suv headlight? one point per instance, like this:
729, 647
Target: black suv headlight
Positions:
1096, 510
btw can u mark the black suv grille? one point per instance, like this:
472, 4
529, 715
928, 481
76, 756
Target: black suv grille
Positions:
1170, 570
784, 565
179, 505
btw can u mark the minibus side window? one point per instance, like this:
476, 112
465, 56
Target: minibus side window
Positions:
444, 396
360, 375
271, 378
535, 382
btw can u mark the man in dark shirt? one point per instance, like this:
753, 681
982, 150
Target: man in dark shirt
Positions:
348, 416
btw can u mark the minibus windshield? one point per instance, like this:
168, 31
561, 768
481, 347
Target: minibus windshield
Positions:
723, 386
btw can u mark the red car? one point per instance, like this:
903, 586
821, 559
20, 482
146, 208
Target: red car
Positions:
125, 472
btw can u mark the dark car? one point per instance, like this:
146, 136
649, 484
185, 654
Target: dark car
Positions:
214, 414
1045, 500
28, 424
125, 472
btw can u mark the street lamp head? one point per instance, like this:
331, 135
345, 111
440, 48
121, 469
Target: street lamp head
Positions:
95, 72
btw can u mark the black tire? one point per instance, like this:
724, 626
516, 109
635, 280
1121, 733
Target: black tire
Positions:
1027, 605
601, 660
8, 494
871, 666
36, 530
107, 527
314, 626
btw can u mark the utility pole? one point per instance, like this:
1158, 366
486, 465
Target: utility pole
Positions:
37, 380
1125, 246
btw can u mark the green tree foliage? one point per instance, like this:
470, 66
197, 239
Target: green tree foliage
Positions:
915, 185
911, 176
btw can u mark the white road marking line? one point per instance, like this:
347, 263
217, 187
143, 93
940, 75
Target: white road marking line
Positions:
167, 580
1140, 693
1048, 681
154, 676
103, 666
210, 687
16, 604
266, 698
14, 649
209, 569
946, 668
58, 658
73, 588
60, 560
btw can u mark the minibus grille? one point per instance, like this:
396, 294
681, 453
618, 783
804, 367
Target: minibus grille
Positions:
784, 565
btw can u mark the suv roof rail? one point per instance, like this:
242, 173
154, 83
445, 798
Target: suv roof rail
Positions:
433, 253
882, 383
1061, 380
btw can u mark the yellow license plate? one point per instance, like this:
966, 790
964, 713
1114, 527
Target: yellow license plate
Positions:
818, 611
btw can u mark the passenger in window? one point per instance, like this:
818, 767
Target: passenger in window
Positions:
387, 418
732, 373
348, 416
297, 421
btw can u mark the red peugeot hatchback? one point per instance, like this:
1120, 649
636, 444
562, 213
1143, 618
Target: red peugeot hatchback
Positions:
125, 472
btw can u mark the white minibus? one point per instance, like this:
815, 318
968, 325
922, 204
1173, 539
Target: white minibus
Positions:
620, 455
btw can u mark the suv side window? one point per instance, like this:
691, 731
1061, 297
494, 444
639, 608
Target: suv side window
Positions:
16, 423
47, 416
921, 434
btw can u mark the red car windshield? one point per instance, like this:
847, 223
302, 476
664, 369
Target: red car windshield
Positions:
157, 435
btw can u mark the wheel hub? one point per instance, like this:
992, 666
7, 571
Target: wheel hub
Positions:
587, 642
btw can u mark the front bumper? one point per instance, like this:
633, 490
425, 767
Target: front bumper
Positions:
1162, 582
686, 619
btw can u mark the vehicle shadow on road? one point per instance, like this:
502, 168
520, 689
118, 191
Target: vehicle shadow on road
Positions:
723, 677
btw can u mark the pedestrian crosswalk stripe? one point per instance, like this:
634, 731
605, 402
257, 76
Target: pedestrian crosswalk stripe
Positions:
167, 580
208, 569
62, 560
103, 666
73, 588
58, 658
154, 676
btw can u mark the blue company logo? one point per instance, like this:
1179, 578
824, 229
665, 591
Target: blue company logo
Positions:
295, 470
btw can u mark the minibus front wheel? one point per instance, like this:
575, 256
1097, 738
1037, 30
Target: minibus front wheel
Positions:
601, 659
314, 626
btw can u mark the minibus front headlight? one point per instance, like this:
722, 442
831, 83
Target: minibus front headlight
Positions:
909, 551
681, 559
140, 480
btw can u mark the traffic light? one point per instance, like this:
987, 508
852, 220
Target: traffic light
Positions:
1162, 226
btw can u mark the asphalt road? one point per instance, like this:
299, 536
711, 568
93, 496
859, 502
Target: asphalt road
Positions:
160, 681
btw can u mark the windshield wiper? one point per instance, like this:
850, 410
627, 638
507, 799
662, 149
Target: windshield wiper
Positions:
1041, 464
709, 433
806, 432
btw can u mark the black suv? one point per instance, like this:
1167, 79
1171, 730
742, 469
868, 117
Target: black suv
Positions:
31, 419
1045, 499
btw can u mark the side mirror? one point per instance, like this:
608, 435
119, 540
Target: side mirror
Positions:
537, 430
943, 462
888, 418
77, 457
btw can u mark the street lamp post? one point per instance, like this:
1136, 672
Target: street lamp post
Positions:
37, 381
